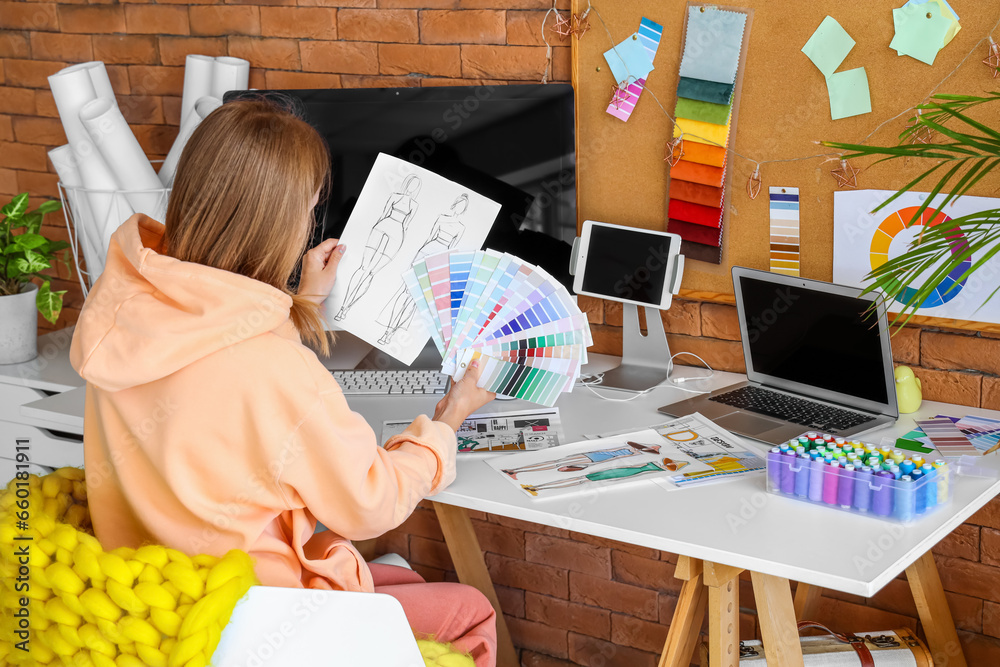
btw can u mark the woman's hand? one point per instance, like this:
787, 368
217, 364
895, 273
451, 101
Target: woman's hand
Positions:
319, 270
463, 398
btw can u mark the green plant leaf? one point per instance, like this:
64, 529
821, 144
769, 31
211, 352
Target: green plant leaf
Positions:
49, 303
32, 222
29, 241
17, 206
49, 206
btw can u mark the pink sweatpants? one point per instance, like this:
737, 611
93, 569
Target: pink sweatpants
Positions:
446, 612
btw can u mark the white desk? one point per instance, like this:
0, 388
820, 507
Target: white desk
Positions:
718, 529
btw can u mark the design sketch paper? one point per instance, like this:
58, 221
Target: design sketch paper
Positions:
522, 430
863, 241
404, 214
590, 464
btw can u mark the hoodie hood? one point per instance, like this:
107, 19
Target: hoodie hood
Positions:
150, 315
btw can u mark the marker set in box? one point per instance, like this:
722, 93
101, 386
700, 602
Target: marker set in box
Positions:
858, 477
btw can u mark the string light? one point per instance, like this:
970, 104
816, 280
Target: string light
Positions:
619, 94
992, 59
674, 151
846, 175
753, 183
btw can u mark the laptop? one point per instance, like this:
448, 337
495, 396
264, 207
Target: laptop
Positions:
817, 357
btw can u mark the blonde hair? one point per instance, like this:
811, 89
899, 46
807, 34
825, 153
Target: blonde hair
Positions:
240, 200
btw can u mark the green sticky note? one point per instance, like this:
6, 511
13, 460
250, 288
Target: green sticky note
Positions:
703, 111
849, 94
828, 46
920, 31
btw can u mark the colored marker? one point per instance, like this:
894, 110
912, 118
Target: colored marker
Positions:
882, 487
862, 489
845, 493
905, 501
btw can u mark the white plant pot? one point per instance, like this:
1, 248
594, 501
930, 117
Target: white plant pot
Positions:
19, 326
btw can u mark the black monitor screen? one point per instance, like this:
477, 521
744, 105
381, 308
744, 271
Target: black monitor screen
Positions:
815, 338
512, 144
626, 264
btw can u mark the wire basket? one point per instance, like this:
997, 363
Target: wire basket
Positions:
93, 215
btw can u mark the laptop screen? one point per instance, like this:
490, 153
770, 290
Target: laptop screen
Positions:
814, 338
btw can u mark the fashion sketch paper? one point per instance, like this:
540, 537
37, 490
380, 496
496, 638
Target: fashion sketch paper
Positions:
404, 215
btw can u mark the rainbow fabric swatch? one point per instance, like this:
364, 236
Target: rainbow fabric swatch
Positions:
518, 320
649, 36
710, 63
784, 230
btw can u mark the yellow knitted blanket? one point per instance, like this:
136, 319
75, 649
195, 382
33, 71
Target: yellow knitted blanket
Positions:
66, 601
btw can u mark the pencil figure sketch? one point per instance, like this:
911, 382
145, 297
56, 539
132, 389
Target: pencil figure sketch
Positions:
445, 235
607, 474
384, 240
583, 460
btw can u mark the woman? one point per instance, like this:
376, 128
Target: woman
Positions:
209, 426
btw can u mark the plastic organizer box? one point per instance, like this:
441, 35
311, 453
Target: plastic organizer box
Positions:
858, 477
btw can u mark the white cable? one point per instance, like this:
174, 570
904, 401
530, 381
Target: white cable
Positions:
599, 378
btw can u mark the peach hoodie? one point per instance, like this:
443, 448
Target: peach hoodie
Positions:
209, 426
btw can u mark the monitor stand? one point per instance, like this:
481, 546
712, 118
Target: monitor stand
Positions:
645, 359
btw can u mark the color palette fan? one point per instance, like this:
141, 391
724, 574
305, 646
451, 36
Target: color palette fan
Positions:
519, 321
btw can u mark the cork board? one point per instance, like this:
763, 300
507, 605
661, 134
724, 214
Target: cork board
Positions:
783, 111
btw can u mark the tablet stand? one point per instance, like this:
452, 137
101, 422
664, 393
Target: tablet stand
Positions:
645, 358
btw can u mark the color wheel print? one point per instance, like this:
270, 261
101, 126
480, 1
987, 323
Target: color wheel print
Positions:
895, 223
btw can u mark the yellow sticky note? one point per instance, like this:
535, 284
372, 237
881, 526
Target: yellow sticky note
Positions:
701, 132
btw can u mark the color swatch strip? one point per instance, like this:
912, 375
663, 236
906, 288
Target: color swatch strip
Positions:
710, 62
947, 438
784, 230
650, 33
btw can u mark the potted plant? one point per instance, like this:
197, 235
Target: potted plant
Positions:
963, 151
24, 254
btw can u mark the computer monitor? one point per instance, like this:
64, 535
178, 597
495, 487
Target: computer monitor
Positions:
513, 144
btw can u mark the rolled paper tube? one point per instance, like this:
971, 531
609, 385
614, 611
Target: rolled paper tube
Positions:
198, 71
694, 213
788, 472
202, 108
831, 482
862, 489
697, 173
121, 151
695, 233
98, 76
69, 175
72, 88
816, 469
882, 492
229, 74
905, 501
774, 469
706, 91
802, 475
845, 492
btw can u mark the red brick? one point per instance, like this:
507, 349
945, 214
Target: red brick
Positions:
119, 79
896, 597
45, 106
14, 44
683, 317
666, 605
343, 3
568, 554
532, 577
340, 57
637, 633
973, 579
494, 538
6, 129
905, 344
845, 616
615, 596
503, 62
157, 20
538, 637
266, 53
562, 63
30, 73
594, 308
720, 321
428, 82
409, 4
174, 50
991, 619
722, 355
607, 340
510, 4
463, 27
532, 659
45, 131
126, 50
378, 25
991, 393
960, 352
567, 615
988, 516
23, 156
38, 183
991, 546
29, 15
147, 110
950, 386
149, 80
303, 80
365, 81
299, 22
978, 650
393, 542
963, 542
8, 182
420, 59
89, 20
428, 573
61, 46
529, 527
155, 139
653, 574
225, 20
615, 545
430, 552
422, 522
593, 652
525, 28
511, 601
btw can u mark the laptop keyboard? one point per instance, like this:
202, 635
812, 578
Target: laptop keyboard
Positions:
810, 414
396, 382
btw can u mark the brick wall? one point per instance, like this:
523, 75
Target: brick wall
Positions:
569, 598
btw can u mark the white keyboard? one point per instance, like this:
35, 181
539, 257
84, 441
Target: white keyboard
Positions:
374, 383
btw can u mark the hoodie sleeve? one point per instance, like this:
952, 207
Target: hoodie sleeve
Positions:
333, 465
